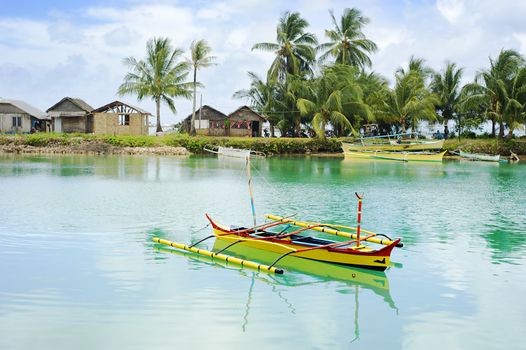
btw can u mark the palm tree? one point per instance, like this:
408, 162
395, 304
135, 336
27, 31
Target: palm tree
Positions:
263, 98
348, 44
491, 88
200, 51
410, 101
515, 101
331, 95
159, 76
294, 48
446, 85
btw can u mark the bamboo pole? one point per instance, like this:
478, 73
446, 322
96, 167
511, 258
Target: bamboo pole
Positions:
227, 258
378, 240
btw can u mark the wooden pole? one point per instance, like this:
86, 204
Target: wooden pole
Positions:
359, 218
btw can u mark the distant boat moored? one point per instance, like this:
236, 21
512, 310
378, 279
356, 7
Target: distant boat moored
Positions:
478, 156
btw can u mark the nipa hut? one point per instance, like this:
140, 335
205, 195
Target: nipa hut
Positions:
243, 122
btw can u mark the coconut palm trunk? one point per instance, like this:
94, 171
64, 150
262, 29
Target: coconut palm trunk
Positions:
192, 124
158, 114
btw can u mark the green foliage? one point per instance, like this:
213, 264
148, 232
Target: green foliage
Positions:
130, 141
294, 48
265, 145
348, 45
159, 76
488, 146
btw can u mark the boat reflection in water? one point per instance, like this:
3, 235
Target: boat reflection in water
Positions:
354, 278
374, 280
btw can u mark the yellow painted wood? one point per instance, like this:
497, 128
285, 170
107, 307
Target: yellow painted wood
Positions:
378, 240
398, 156
393, 146
324, 255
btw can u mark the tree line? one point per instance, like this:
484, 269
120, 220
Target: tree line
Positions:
312, 85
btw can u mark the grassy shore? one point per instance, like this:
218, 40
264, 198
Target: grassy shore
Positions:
174, 144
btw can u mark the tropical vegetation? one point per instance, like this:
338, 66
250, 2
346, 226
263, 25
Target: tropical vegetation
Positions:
313, 89
160, 76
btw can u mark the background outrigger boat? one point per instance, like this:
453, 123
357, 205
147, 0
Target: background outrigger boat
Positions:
394, 143
233, 152
398, 156
478, 156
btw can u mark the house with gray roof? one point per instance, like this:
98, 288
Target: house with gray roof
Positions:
20, 117
69, 115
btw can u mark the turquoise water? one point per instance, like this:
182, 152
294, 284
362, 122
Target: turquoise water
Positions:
78, 270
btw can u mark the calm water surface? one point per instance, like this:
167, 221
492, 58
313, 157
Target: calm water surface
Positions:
78, 269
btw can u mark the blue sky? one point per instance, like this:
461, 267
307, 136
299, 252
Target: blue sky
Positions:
52, 49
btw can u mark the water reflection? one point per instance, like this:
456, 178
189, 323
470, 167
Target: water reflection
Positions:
298, 273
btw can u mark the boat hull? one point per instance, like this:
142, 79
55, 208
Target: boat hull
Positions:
412, 146
398, 156
364, 257
481, 157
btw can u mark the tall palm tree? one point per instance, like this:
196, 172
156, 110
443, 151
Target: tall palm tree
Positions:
515, 101
200, 51
446, 85
294, 48
331, 95
491, 88
262, 96
159, 76
410, 101
348, 44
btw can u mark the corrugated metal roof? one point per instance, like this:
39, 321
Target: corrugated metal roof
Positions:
26, 107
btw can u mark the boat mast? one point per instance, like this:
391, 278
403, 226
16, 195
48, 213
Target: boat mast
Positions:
250, 191
359, 218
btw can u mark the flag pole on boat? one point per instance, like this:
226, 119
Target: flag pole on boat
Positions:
359, 218
250, 191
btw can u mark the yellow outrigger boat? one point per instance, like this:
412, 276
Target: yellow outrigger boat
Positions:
398, 156
392, 145
295, 243
351, 253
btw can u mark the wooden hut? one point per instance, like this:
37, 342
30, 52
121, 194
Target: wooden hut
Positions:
69, 115
246, 122
243, 122
208, 121
118, 118
20, 117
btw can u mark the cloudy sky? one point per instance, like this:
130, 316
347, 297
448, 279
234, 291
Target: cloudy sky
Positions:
51, 49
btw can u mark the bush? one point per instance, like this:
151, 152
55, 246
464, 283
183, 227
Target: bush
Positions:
265, 145
130, 140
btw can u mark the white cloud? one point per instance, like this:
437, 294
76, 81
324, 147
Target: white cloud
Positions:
452, 10
80, 53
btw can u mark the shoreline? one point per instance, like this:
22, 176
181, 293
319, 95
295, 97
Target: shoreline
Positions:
152, 151
183, 145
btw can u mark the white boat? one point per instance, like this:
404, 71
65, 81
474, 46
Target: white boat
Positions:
479, 156
233, 152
